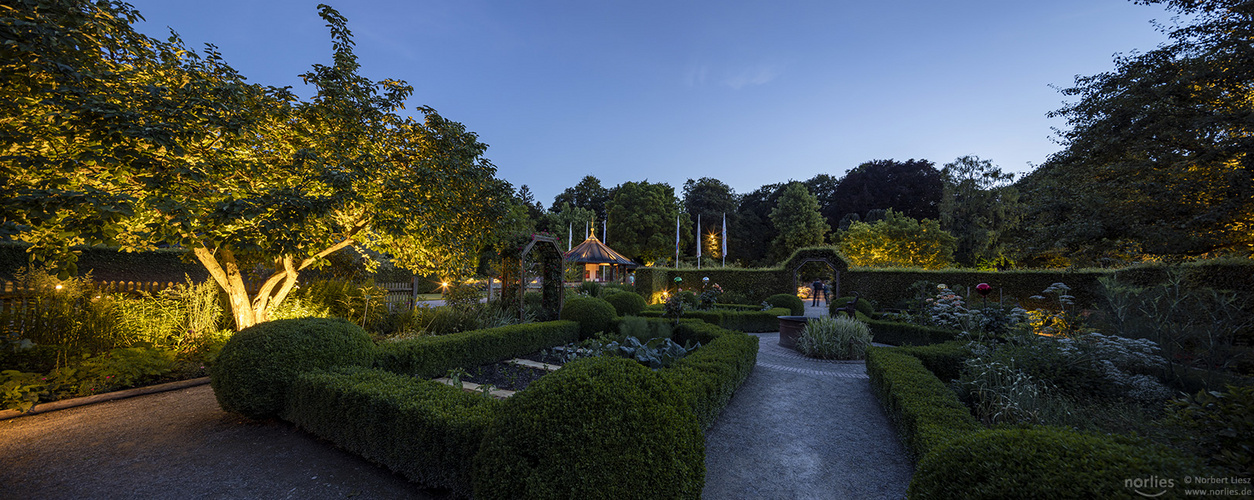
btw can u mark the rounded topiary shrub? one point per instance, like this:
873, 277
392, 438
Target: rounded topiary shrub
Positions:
597, 428
788, 301
593, 314
1046, 462
255, 368
626, 303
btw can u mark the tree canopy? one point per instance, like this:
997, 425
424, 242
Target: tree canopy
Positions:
588, 193
751, 236
112, 137
912, 187
797, 219
979, 207
642, 221
1157, 152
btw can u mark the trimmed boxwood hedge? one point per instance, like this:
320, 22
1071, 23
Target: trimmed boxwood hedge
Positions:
893, 333
593, 315
926, 413
944, 360
435, 355
707, 377
603, 427
863, 306
755, 321
427, 431
1046, 462
255, 368
788, 301
626, 303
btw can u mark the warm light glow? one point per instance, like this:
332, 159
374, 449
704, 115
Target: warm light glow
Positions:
444, 284
58, 286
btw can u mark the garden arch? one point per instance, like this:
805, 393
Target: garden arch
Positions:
826, 255
796, 270
514, 275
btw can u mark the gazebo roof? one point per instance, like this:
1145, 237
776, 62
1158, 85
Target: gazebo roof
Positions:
592, 251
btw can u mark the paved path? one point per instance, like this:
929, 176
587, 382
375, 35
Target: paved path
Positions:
804, 428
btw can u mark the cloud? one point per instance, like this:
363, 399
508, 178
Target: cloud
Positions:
750, 77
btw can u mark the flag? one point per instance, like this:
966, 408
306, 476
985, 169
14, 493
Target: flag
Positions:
570, 233
724, 239
605, 226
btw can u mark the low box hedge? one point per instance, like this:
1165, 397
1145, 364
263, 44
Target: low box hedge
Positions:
707, 378
893, 333
926, 413
435, 355
944, 360
424, 430
741, 321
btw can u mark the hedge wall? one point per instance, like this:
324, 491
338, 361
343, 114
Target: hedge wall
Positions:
926, 413
893, 333
707, 377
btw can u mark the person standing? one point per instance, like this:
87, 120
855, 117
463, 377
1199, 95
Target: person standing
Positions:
816, 288
827, 290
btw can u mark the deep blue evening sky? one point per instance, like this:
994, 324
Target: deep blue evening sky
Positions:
751, 93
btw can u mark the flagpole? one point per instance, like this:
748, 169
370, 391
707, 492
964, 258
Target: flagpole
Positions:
676, 242
724, 239
605, 227
698, 241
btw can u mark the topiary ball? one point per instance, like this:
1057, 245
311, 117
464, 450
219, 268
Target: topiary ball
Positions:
788, 301
626, 303
1046, 462
255, 368
593, 314
597, 428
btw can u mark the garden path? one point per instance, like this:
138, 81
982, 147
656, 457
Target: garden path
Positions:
804, 428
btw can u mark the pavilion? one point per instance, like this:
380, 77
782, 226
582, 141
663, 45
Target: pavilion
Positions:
600, 262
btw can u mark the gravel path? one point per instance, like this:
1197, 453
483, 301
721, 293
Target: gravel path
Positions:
804, 428
179, 444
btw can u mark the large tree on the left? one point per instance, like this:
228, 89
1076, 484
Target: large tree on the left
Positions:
111, 137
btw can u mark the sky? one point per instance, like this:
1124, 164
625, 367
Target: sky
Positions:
747, 92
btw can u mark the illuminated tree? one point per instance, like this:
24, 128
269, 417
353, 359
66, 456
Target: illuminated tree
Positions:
111, 137
1157, 157
898, 241
798, 221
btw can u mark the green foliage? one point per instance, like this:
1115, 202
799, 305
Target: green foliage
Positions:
590, 289
247, 176
797, 220
787, 301
115, 369
926, 413
461, 295
707, 378
359, 303
642, 220
1044, 462
593, 314
1223, 425
912, 187
256, 367
945, 359
626, 303
644, 329
978, 207
426, 431
754, 320
1156, 150
898, 240
829, 337
434, 355
655, 353
599, 427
